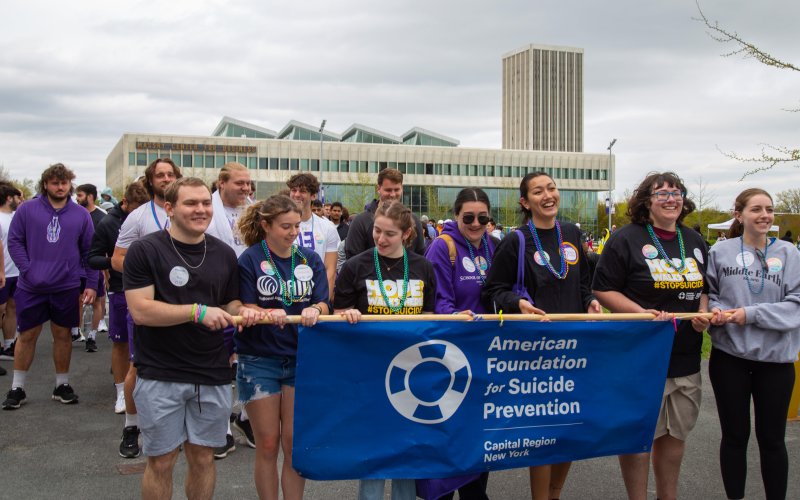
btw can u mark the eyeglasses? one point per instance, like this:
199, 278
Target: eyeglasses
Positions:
664, 195
470, 218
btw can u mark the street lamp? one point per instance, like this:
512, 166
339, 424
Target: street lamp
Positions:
321, 186
610, 187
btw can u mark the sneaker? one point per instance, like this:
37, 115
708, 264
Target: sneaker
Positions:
91, 345
228, 447
77, 336
65, 394
129, 447
119, 406
102, 327
246, 429
14, 399
7, 353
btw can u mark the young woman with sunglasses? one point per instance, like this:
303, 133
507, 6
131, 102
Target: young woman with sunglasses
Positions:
755, 280
461, 257
556, 278
656, 264
284, 279
405, 284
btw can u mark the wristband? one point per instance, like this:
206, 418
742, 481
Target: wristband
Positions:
194, 312
318, 308
197, 313
202, 314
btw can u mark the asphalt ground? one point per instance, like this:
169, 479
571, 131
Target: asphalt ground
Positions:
49, 450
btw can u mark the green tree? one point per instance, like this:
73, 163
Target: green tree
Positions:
771, 155
788, 201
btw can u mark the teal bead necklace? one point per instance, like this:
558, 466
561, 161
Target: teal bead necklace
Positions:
405, 283
763, 270
481, 274
680, 269
287, 296
562, 274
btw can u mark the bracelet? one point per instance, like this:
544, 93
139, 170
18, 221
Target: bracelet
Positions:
202, 314
197, 313
318, 308
194, 312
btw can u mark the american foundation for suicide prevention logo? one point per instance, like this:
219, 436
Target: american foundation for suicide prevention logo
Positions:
427, 382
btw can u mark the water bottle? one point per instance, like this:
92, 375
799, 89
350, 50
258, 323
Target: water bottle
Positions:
87, 319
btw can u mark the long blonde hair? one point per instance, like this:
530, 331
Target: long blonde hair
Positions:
401, 216
267, 210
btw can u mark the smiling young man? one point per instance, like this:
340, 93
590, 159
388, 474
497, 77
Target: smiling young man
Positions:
49, 240
229, 201
316, 233
359, 236
180, 303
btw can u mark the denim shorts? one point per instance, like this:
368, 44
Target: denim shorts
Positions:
261, 376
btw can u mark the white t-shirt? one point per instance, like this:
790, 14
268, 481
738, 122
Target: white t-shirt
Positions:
5, 222
318, 234
224, 224
146, 219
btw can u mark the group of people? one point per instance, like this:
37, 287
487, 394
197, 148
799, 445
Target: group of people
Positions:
188, 261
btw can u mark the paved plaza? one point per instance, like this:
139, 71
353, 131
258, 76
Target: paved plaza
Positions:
49, 450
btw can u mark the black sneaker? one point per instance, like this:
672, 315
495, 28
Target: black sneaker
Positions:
7, 353
229, 447
14, 399
91, 345
129, 447
246, 429
65, 394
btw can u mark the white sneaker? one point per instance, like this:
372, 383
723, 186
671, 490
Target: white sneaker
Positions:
119, 406
77, 336
102, 327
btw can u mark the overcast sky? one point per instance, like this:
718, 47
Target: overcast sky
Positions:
75, 76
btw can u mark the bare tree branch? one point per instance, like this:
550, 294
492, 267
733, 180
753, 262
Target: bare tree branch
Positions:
743, 47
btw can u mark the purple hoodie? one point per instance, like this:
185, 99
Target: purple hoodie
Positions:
458, 287
51, 247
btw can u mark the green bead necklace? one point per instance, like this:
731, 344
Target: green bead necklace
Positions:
680, 269
405, 282
287, 297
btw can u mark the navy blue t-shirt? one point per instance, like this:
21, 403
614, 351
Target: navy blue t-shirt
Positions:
259, 284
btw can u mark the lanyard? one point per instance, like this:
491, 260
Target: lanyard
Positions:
153, 208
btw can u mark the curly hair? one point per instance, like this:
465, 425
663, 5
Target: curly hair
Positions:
268, 210
306, 180
639, 204
57, 171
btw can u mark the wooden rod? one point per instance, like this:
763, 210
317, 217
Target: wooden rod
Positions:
335, 318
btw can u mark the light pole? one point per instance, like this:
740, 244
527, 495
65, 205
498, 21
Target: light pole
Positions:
610, 187
321, 185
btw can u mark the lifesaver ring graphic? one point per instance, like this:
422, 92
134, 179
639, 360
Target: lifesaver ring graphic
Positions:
427, 382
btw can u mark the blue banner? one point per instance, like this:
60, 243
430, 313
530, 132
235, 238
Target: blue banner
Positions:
438, 399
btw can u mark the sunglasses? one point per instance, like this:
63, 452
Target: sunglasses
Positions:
470, 218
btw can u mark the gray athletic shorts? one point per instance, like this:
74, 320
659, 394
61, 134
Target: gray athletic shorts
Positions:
171, 413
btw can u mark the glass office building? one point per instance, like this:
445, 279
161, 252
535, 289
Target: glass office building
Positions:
435, 167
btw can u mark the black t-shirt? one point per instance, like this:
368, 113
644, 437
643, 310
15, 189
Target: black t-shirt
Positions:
188, 352
97, 215
357, 285
550, 294
631, 264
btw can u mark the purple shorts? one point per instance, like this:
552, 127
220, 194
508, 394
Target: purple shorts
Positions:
129, 324
117, 317
101, 286
7, 292
34, 309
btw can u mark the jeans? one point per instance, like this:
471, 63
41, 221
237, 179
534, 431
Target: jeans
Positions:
372, 489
